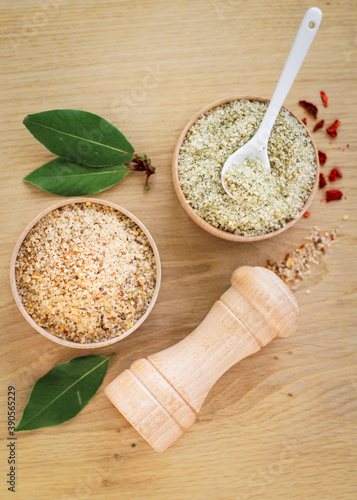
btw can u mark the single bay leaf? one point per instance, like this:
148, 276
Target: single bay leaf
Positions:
66, 178
80, 136
63, 392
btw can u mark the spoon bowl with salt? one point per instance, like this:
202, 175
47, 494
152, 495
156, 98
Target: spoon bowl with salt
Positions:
250, 163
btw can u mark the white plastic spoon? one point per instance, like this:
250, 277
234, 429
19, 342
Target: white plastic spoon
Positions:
257, 148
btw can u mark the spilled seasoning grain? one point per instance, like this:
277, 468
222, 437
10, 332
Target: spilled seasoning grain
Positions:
297, 265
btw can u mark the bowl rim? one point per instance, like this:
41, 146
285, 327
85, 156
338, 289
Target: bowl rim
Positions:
32, 322
199, 220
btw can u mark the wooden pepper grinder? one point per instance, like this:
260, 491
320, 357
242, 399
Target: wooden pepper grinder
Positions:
161, 396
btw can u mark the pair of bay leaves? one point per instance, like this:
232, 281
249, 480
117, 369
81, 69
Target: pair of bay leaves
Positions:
93, 155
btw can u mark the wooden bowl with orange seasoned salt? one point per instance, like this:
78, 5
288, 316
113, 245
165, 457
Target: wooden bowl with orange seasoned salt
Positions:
85, 273
210, 137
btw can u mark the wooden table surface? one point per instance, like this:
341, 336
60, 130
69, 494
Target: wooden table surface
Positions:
280, 424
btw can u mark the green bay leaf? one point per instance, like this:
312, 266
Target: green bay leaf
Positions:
66, 178
80, 136
63, 392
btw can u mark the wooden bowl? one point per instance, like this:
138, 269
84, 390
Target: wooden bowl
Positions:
44, 332
190, 211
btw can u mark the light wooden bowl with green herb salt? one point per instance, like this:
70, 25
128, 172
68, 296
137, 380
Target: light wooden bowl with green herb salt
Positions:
85, 273
210, 137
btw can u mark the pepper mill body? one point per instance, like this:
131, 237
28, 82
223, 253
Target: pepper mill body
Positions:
162, 395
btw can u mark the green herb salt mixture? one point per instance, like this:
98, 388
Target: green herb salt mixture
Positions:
250, 182
266, 201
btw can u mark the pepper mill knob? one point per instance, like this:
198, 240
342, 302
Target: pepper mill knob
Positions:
161, 395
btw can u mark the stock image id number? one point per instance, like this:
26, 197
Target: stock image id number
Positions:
11, 410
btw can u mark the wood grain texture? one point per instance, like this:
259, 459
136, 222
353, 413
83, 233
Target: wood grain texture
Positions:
282, 423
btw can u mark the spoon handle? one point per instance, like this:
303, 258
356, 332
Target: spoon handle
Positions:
303, 40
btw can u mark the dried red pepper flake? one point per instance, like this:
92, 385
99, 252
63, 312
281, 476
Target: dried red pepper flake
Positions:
333, 194
331, 130
335, 174
324, 98
307, 214
322, 181
322, 158
319, 125
304, 121
310, 108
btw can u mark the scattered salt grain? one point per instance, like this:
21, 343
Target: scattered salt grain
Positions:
295, 266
